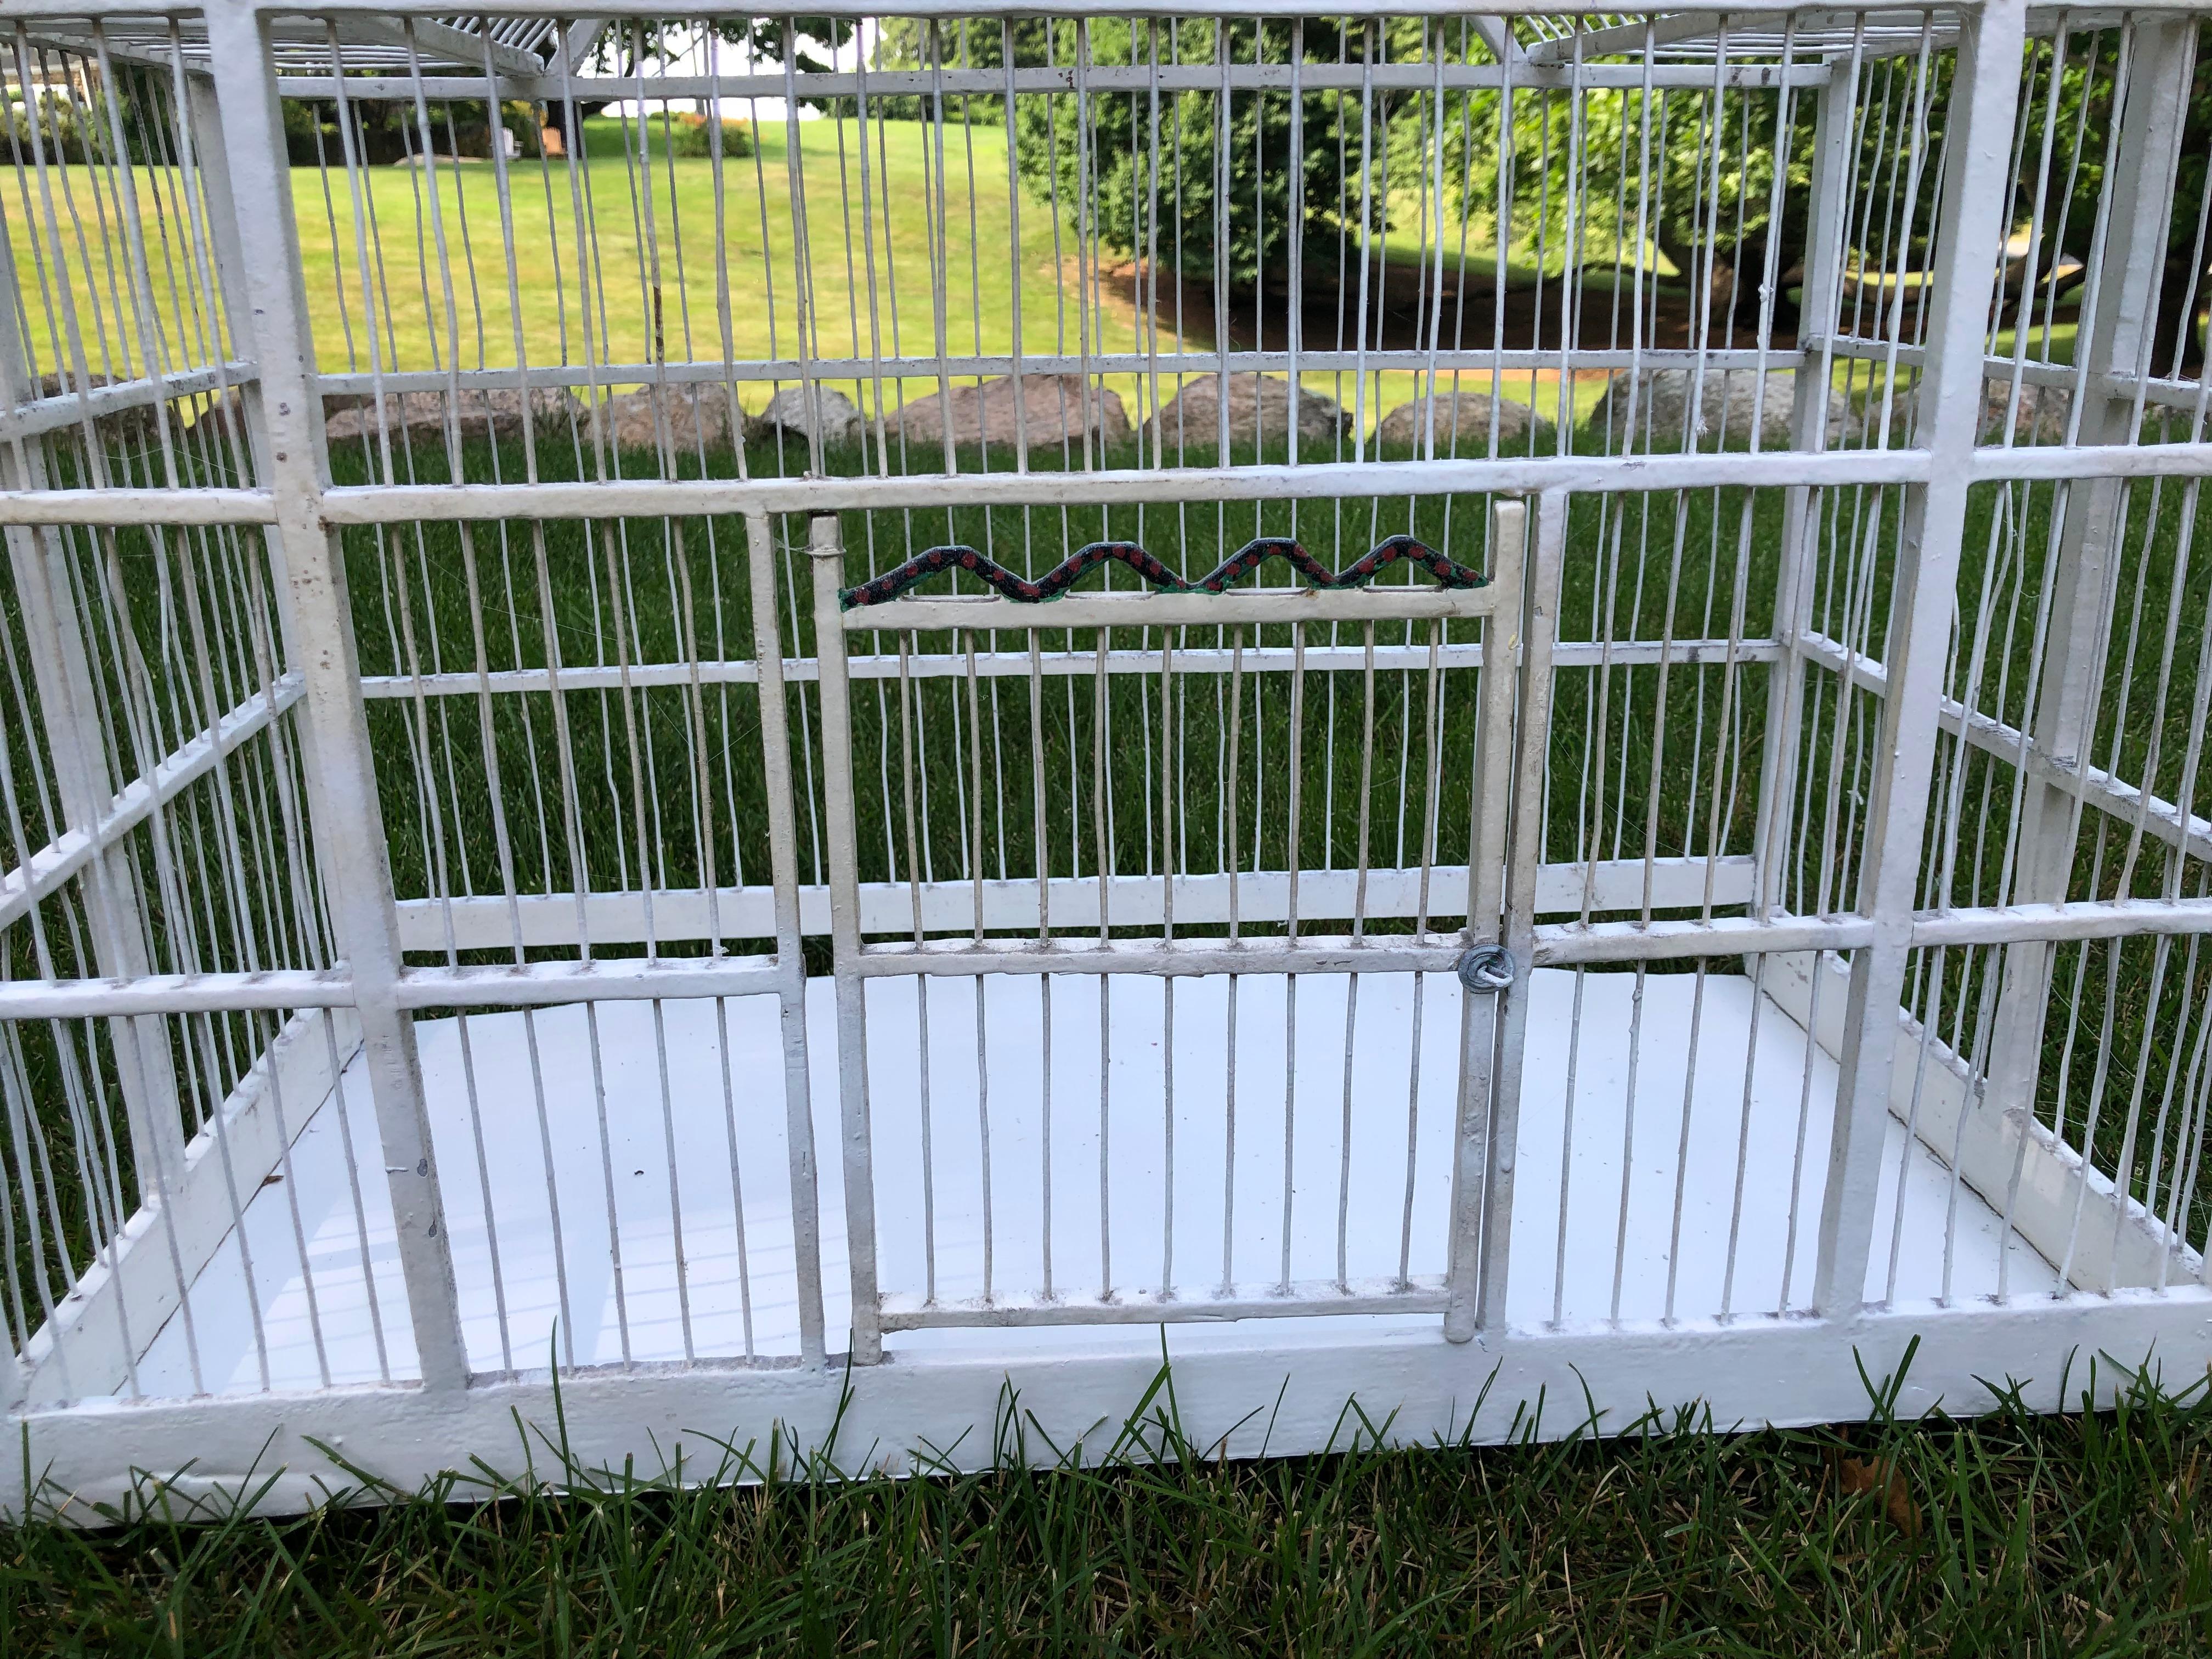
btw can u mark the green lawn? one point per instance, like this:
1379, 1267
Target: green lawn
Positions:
565, 298
400, 304
2011, 1536
976, 270
976, 263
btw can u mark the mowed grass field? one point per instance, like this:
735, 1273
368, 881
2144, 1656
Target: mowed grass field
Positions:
914, 238
927, 210
412, 268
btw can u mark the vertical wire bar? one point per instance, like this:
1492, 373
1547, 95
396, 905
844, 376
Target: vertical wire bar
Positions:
1229, 845
1363, 850
976, 880
1041, 826
1296, 759
1628, 1135
1102, 833
1169, 768
907, 697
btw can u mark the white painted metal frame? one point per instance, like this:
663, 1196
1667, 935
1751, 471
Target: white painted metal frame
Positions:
2124, 1291
1484, 1107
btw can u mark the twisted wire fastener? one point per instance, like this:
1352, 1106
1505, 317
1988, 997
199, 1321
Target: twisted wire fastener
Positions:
1485, 970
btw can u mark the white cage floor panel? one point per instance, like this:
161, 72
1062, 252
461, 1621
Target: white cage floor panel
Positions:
656, 1080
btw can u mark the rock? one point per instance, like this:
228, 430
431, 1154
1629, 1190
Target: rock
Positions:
226, 412
788, 414
690, 417
62, 386
136, 419
1662, 400
2040, 417
1054, 410
414, 417
1259, 411
1462, 423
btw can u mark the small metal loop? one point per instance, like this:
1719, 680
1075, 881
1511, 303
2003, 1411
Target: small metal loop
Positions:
1485, 970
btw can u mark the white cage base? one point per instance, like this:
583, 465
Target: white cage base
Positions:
619, 1200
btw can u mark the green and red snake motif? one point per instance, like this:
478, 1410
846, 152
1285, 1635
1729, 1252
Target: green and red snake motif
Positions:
1396, 549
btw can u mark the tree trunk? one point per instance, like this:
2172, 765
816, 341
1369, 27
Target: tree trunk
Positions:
1744, 265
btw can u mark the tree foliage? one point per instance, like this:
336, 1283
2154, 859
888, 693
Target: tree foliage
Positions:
1717, 184
759, 39
2069, 132
1173, 171
1236, 179
1691, 174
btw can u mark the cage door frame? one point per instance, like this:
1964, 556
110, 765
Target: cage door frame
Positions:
1494, 1037
1497, 604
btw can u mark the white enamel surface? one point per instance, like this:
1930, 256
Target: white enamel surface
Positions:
499, 1050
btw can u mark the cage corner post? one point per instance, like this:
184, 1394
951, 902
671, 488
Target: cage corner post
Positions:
205, 155
1970, 236
348, 826
2157, 63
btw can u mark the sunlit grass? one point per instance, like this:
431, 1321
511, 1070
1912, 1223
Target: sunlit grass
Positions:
950, 250
2046, 342
915, 246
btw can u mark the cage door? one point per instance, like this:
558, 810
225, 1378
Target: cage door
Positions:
1149, 908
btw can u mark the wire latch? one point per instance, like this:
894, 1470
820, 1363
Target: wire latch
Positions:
1485, 970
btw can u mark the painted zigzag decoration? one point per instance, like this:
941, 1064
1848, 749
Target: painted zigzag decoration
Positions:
1064, 576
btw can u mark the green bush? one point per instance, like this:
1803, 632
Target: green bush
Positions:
688, 135
683, 134
68, 133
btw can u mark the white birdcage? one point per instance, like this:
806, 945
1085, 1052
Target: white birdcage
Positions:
1490, 717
